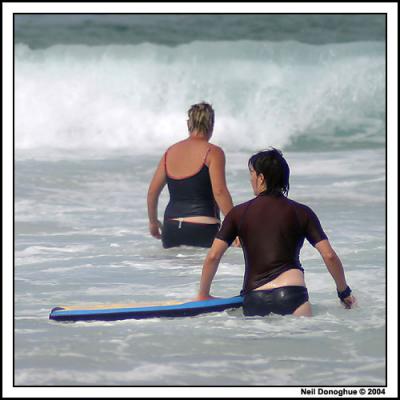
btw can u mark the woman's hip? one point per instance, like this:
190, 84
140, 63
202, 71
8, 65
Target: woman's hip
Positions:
183, 233
281, 300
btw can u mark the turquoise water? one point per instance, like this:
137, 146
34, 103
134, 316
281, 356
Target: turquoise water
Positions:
40, 31
292, 95
97, 101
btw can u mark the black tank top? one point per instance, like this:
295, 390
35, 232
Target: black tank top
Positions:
192, 195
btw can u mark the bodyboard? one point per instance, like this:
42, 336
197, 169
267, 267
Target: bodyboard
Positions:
135, 311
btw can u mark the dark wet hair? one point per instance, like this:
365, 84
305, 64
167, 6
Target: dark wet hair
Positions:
275, 169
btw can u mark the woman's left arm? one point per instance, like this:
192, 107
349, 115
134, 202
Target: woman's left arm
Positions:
156, 186
210, 267
218, 180
335, 267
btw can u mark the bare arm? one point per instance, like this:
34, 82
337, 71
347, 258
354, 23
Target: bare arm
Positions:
218, 182
335, 268
156, 186
210, 267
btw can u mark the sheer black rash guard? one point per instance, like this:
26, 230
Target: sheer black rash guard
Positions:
272, 229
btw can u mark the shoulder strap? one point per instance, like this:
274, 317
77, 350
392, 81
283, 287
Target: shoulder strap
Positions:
205, 157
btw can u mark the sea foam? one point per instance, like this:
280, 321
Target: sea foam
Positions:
135, 97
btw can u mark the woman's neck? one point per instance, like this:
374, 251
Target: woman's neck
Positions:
196, 135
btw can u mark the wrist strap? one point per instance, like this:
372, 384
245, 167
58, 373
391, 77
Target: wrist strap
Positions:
345, 293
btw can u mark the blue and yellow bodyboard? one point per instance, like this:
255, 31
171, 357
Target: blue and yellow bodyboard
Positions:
135, 311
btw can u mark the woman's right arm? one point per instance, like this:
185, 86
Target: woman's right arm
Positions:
335, 267
218, 182
210, 267
156, 186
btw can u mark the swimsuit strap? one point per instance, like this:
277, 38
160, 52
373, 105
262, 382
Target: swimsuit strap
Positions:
205, 157
165, 159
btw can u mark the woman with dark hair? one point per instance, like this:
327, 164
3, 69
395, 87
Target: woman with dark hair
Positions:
194, 171
272, 229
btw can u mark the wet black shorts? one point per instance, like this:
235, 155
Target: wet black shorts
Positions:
283, 300
176, 233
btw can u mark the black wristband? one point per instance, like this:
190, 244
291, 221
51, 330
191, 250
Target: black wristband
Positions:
345, 293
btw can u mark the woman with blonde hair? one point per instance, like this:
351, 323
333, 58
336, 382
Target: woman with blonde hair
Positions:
194, 171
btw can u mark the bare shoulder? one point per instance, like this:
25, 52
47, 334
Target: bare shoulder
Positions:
216, 148
216, 152
177, 145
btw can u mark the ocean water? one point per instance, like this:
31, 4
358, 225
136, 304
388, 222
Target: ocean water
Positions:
99, 98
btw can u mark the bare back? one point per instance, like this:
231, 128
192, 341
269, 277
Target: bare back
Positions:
197, 168
187, 157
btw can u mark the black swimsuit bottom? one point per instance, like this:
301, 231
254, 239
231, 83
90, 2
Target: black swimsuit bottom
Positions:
181, 233
283, 300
